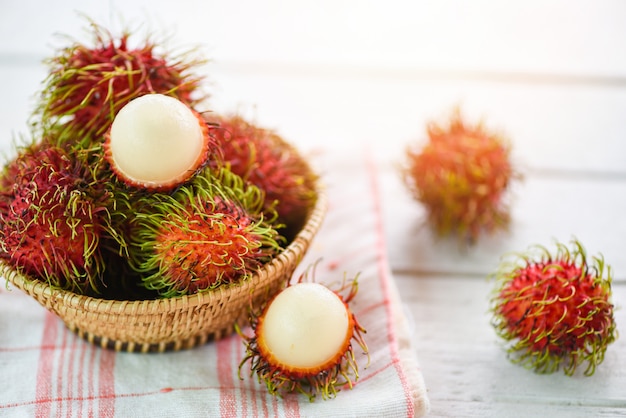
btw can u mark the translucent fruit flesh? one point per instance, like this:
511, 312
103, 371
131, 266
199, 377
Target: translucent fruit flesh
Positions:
156, 141
307, 326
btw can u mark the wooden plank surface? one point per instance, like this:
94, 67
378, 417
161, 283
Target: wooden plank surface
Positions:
466, 368
345, 77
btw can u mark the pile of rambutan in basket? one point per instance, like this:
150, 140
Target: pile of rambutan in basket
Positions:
143, 220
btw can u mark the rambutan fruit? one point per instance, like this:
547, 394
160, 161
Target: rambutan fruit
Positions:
303, 340
156, 142
554, 309
8, 176
460, 176
53, 219
88, 84
208, 233
265, 159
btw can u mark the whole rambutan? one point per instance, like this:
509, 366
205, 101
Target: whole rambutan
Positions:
460, 176
263, 158
51, 225
88, 84
555, 309
208, 233
303, 340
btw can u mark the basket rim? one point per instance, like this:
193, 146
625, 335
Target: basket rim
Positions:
295, 249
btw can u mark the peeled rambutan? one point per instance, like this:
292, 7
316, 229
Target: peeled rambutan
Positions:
555, 309
265, 159
88, 84
156, 142
302, 340
208, 233
53, 219
460, 176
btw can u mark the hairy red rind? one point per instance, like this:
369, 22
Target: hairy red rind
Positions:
460, 176
555, 310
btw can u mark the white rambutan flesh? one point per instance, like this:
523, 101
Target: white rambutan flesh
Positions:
156, 142
302, 340
306, 326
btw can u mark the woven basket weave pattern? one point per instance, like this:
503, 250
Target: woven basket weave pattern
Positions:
175, 323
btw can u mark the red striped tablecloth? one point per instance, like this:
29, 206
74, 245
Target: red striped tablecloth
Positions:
47, 371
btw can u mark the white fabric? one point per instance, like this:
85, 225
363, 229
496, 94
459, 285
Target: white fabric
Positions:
48, 371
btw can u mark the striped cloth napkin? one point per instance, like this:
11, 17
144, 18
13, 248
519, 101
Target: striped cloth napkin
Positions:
47, 371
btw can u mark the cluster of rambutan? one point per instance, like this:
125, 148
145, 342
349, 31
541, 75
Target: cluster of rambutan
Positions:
125, 191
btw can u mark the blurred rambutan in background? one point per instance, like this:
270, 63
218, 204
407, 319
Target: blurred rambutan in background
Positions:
460, 175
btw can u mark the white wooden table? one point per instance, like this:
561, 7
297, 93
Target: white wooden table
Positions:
355, 77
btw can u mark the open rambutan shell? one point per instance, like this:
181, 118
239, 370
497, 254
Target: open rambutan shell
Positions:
303, 339
156, 142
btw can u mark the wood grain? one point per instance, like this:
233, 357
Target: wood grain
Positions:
347, 77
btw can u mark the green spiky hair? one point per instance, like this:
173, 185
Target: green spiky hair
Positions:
88, 84
281, 379
554, 309
267, 160
53, 218
209, 232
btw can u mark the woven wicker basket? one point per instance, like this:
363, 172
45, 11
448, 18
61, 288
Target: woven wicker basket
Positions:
176, 323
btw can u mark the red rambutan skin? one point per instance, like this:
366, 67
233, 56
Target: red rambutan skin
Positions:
90, 84
198, 245
558, 310
460, 175
324, 379
209, 249
50, 228
266, 160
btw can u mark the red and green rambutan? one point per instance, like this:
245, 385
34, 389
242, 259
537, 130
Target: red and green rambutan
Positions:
263, 158
461, 175
303, 339
88, 84
52, 219
210, 232
554, 309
